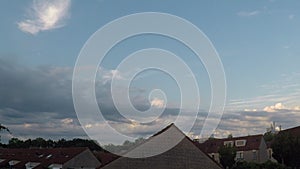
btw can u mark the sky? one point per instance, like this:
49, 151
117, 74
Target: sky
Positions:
257, 42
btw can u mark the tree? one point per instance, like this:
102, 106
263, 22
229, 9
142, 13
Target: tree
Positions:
39, 142
269, 136
15, 143
286, 149
127, 145
227, 156
3, 128
246, 165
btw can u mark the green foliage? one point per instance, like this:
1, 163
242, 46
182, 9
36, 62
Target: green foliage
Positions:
246, 165
42, 143
286, 149
251, 165
269, 136
227, 156
271, 165
15, 143
127, 145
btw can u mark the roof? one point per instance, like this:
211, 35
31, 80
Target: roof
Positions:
183, 155
105, 157
295, 131
44, 156
212, 145
164, 129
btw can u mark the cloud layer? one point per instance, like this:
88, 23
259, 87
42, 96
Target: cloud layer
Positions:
37, 102
45, 15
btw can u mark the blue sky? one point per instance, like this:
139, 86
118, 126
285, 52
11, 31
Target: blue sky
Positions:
257, 42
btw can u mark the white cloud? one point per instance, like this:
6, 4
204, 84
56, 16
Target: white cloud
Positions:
67, 121
88, 126
280, 106
248, 13
157, 103
45, 15
277, 106
250, 110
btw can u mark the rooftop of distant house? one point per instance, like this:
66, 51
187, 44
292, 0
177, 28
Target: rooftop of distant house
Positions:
244, 143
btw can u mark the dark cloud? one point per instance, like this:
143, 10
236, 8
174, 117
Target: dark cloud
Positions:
33, 101
43, 89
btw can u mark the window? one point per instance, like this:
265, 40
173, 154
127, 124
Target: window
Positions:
240, 143
55, 166
228, 143
30, 165
13, 162
254, 155
270, 153
49, 156
240, 155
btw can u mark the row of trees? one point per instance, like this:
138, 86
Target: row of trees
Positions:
127, 145
251, 165
42, 143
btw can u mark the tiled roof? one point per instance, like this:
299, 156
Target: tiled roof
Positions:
44, 156
295, 131
105, 157
213, 145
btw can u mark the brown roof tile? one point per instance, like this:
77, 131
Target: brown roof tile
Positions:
295, 131
45, 156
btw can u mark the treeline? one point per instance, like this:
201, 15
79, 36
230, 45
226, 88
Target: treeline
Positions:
252, 165
127, 145
42, 143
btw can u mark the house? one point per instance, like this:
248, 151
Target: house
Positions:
184, 155
53, 158
248, 148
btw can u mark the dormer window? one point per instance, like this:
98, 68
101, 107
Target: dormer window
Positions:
55, 166
49, 156
228, 143
13, 162
31, 165
240, 143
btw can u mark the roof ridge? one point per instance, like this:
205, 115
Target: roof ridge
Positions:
164, 129
291, 128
